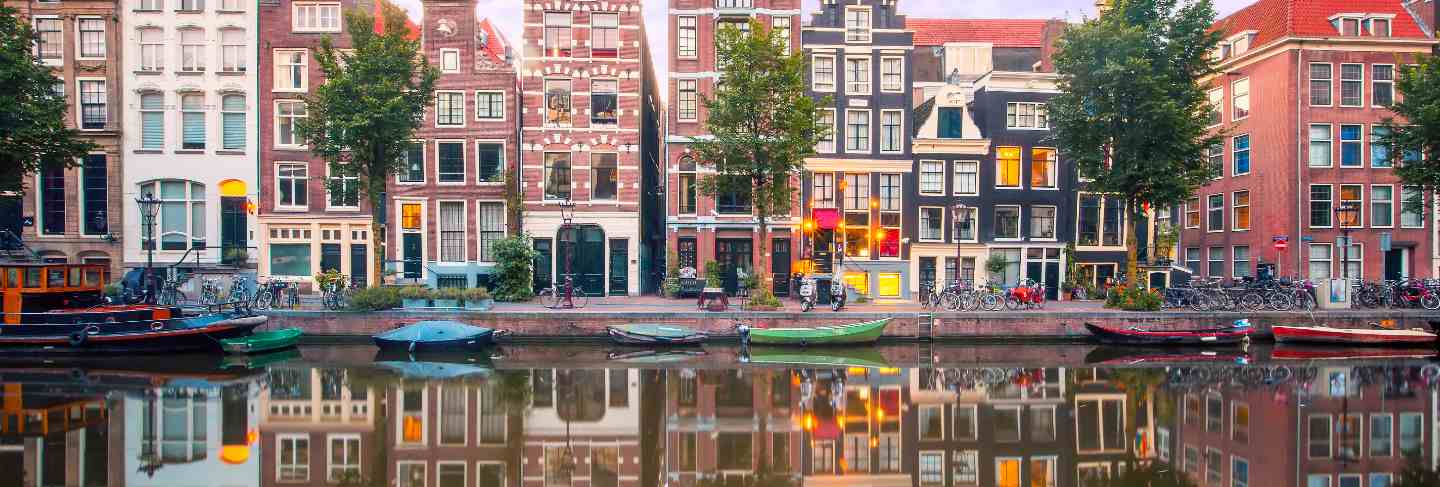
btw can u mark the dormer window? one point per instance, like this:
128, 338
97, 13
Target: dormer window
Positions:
1346, 26
1378, 27
857, 24
1240, 45
951, 123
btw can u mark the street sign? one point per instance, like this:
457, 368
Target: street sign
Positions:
1307, 238
1280, 238
1281, 244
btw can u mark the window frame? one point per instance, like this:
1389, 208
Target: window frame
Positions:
440, 253
501, 171
239, 52
1312, 143
1329, 82
1420, 215
1236, 151
464, 162
80, 42
857, 136
852, 84
1328, 440
920, 184
1235, 208
1375, 83
1211, 209
836, 131
899, 87
460, 110
280, 205
1360, 98
490, 105
606, 53
1329, 206
687, 105
815, 83
282, 466
1019, 220
182, 111
330, 195
1019, 167
851, 35
297, 142
1054, 224
1236, 113
1038, 111
443, 60
400, 178
1052, 169
295, 26
1358, 143
685, 44
1235, 263
593, 185
899, 132
1373, 202
920, 223
288, 70
1360, 203
59, 58
974, 176
80, 103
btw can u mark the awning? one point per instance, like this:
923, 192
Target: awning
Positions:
826, 218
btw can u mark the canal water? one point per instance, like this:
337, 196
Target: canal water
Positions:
912, 415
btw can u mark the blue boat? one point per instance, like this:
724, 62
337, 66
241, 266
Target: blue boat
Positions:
436, 336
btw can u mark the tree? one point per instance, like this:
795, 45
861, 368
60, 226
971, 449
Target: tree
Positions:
33, 135
1132, 113
1417, 138
762, 122
373, 99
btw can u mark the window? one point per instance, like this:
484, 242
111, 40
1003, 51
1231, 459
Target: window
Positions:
1382, 206
604, 102
827, 124
932, 468
92, 37
491, 221
293, 458
491, 158
449, 109
688, 189
1100, 221
1007, 222
1379, 147
781, 27
932, 177
290, 184
232, 51
191, 5
822, 73
1352, 85
150, 5
557, 101
1217, 98
1026, 116
892, 74
192, 122
1409, 218
1381, 435
1350, 146
1192, 259
557, 34
49, 40
291, 70
1317, 480
688, 100
152, 121
450, 161
1214, 406
1381, 480
343, 187
1320, 259
604, 179
685, 46
230, 6
1378, 27
1007, 167
951, 123
1412, 432
557, 175
932, 224
1215, 213
489, 105
1042, 222
1240, 210
890, 127
1352, 196
1321, 200
410, 474
857, 25
94, 195
604, 34
450, 60
181, 221
192, 50
1319, 432
315, 17
344, 460
890, 194
152, 50
1321, 75
410, 218
967, 176
857, 75
452, 231
824, 189
1192, 213
414, 164
1216, 268
1242, 155
1240, 99
1240, 262
857, 131
450, 474
1320, 149
965, 224
1239, 472
1382, 84
857, 191
1216, 155
1043, 168
52, 199
94, 108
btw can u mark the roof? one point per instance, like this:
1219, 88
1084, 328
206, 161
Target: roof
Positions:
1276, 19
998, 32
495, 46
379, 14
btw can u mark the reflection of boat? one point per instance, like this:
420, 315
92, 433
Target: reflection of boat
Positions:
263, 341
836, 357
436, 336
1355, 336
654, 334
87, 374
1291, 351
649, 356
1130, 355
260, 360
435, 366
851, 334
1228, 335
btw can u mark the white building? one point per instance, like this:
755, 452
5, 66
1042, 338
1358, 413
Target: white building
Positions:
189, 68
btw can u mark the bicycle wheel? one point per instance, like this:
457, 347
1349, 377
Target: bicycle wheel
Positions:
1279, 301
1012, 303
264, 299
550, 298
1252, 301
1430, 301
1200, 302
1304, 301
991, 302
581, 299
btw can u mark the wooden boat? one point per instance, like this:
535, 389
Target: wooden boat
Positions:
654, 334
868, 358
1229, 335
436, 336
61, 308
852, 334
263, 341
1351, 336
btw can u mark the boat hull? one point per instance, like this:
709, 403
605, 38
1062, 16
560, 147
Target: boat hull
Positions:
194, 333
1195, 337
853, 334
261, 342
1351, 336
632, 335
436, 336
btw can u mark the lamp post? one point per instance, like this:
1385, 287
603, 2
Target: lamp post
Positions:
149, 208
567, 237
1346, 212
958, 211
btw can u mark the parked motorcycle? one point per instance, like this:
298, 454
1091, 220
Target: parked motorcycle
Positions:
1029, 294
807, 294
837, 295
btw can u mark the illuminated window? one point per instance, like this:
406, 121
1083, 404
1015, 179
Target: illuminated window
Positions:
1007, 167
410, 214
860, 281
888, 284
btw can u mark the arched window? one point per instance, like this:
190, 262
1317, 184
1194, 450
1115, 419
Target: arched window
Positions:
180, 222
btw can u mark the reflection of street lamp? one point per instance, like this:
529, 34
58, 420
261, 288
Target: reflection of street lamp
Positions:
149, 209
1346, 212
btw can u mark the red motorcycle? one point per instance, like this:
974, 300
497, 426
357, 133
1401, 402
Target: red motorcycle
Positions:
1029, 294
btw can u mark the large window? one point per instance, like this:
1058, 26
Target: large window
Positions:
857, 75
1321, 92
1042, 222
1192, 259
1026, 116
293, 458
1043, 168
1240, 210
604, 34
1240, 261
343, 187
1320, 145
1242, 155
733, 202
857, 192
822, 72
558, 39
1382, 84
1382, 431
92, 37
192, 121
1101, 220
291, 179
95, 195
232, 51
450, 161
1409, 216
1379, 147
604, 102
491, 158
1215, 266
1352, 196
967, 177
450, 108
52, 199
557, 101
965, 224
951, 123
1352, 85
604, 178
1320, 258
1215, 213
49, 40
489, 105
291, 70
152, 121
1217, 99
452, 231
1382, 206
94, 108
490, 218
1350, 146
192, 50
932, 177
152, 49
344, 457
1192, 213
1412, 432
414, 164
181, 221
315, 17
1240, 99
932, 224
857, 24
890, 130
1007, 222
286, 114
857, 131
1007, 167
685, 45
1216, 155
557, 175
689, 101
1319, 430
1322, 199
232, 122
827, 124
688, 190
824, 189
781, 27
892, 73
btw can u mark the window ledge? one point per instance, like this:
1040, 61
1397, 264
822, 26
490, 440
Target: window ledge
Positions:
230, 152
231, 73
292, 209
190, 73
190, 151
149, 72
224, 11
178, 11
146, 10
148, 151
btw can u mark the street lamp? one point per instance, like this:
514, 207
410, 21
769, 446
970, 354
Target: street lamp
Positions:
961, 224
567, 240
1345, 213
149, 208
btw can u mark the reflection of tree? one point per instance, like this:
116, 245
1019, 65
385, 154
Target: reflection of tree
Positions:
1152, 475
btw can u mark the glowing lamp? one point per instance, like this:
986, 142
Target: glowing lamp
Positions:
809, 225
235, 454
880, 234
864, 393
874, 203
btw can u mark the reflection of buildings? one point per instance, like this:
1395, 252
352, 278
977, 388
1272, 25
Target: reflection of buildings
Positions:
52, 440
583, 428
174, 435
723, 426
315, 425
854, 423
1345, 428
992, 429
454, 432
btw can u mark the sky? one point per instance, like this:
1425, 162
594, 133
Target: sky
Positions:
507, 14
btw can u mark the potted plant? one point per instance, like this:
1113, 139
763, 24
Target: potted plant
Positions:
415, 297
236, 256
712, 274
447, 298
478, 299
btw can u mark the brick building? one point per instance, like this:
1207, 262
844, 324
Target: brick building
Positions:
75, 213
731, 425
590, 136
454, 432
699, 227
449, 204
1300, 96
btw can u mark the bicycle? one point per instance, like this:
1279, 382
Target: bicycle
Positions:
209, 291
239, 290
335, 294
564, 295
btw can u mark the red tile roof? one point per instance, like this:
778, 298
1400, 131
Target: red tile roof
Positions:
999, 32
1274, 19
495, 42
379, 14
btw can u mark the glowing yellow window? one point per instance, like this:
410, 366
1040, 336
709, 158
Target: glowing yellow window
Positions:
1042, 167
858, 280
889, 284
410, 216
1007, 472
1007, 167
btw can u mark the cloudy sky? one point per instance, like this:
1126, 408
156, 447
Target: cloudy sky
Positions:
506, 14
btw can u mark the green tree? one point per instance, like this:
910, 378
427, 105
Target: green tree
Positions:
373, 99
763, 124
33, 134
1417, 136
514, 271
1132, 113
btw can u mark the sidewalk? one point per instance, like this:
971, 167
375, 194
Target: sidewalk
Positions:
652, 304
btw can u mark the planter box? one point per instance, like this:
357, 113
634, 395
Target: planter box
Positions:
415, 303
446, 303
481, 305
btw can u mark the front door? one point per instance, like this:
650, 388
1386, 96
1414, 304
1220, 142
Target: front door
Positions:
410, 244
541, 265
359, 265
234, 227
582, 256
619, 266
10, 211
733, 255
1395, 265
780, 265
1043, 266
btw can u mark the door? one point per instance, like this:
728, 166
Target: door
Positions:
541, 265
619, 267
330, 257
780, 265
582, 256
733, 255
10, 219
234, 227
1043, 265
359, 265
1395, 265
410, 244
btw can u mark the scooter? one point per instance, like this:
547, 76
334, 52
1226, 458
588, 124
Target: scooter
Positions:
807, 294
837, 295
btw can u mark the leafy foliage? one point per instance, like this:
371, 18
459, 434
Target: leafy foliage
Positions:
514, 273
375, 299
1134, 298
33, 134
1417, 136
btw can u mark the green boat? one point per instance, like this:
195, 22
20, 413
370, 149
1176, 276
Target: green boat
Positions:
851, 334
262, 341
869, 358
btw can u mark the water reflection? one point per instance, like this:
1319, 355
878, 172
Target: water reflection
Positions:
503, 423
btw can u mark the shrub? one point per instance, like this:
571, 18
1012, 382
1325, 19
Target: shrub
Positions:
514, 273
712, 274
414, 292
327, 278
763, 299
449, 293
1132, 298
476, 294
995, 264
375, 299
671, 287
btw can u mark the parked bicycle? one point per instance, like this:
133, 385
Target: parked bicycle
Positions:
277, 294
564, 295
335, 294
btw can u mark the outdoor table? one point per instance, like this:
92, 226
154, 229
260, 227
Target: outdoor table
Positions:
713, 299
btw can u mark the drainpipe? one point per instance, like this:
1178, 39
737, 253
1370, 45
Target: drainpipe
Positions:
1300, 194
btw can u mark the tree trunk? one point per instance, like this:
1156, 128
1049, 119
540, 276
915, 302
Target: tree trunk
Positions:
1132, 244
377, 229
764, 267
